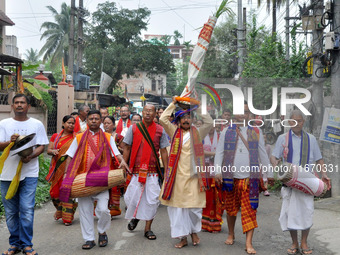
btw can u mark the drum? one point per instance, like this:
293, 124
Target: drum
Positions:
299, 178
116, 177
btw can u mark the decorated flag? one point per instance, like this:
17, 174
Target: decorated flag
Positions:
63, 70
198, 54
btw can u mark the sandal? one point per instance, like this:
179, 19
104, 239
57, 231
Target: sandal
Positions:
132, 224
12, 250
307, 251
88, 245
293, 251
29, 250
150, 235
103, 240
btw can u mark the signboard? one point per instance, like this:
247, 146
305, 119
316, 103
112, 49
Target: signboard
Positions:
330, 130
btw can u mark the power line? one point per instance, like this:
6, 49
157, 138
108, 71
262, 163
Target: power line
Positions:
29, 2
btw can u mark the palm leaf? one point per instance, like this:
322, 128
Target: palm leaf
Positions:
40, 83
32, 90
223, 8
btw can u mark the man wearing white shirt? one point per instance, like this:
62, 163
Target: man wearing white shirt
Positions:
240, 149
88, 153
297, 207
19, 209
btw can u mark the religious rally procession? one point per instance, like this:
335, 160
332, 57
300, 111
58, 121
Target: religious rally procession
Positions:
117, 141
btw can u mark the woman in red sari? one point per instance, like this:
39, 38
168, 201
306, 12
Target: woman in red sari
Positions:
114, 200
57, 147
212, 213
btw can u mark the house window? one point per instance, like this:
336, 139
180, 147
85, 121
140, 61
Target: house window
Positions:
153, 85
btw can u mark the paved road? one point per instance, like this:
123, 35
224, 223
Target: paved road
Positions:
51, 237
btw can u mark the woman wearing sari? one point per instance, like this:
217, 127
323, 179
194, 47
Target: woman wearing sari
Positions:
57, 147
212, 213
114, 200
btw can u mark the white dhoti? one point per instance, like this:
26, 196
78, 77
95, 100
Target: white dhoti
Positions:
184, 221
147, 202
297, 210
85, 205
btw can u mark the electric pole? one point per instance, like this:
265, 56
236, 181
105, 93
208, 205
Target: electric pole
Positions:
240, 38
71, 40
81, 13
331, 150
317, 84
287, 30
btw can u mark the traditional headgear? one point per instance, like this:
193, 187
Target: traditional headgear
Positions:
181, 113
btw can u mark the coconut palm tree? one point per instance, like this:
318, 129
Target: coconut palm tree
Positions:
272, 5
32, 56
56, 35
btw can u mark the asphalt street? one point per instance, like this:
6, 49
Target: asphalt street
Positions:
52, 237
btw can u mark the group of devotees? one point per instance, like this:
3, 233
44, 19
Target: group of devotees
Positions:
164, 164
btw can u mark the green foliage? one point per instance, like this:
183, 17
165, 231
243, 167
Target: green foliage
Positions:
32, 90
224, 9
40, 83
42, 194
47, 99
177, 36
276, 186
113, 39
266, 65
32, 56
221, 61
56, 35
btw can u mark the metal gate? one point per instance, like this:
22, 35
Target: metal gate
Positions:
52, 115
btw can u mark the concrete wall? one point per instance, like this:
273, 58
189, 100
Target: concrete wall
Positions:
34, 112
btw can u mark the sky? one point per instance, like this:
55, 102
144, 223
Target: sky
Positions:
186, 16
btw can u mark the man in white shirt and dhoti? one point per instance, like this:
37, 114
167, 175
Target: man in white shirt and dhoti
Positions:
299, 148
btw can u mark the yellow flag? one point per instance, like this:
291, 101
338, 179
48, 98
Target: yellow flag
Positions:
5, 155
13, 187
143, 98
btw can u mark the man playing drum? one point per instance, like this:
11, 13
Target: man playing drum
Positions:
298, 207
91, 152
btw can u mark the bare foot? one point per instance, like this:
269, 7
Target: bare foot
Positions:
195, 239
182, 243
230, 240
250, 250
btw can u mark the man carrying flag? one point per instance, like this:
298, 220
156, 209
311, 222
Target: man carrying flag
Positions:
143, 142
184, 186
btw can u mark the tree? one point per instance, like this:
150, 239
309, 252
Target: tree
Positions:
221, 61
32, 56
56, 35
177, 36
266, 66
114, 47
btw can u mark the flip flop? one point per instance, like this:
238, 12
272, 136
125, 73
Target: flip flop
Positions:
293, 251
29, 251
150, 235
305, 251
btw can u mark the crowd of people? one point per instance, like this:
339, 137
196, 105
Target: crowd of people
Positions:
166, 154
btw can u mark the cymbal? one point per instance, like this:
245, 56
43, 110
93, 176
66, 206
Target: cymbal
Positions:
22, 140
26, 152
